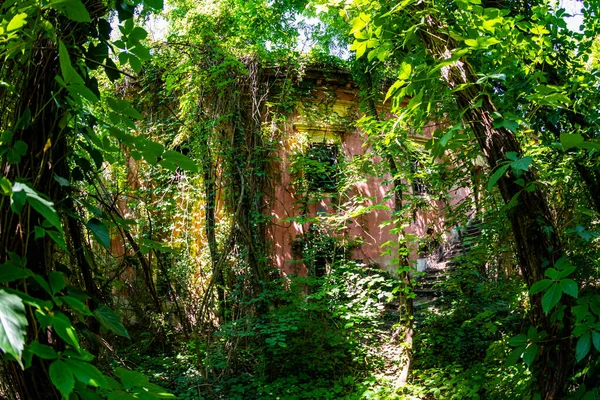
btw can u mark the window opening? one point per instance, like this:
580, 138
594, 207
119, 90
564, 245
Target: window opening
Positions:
418, 185
322, 167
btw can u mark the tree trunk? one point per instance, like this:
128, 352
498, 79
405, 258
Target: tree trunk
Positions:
406, 308
537, 242
38, 94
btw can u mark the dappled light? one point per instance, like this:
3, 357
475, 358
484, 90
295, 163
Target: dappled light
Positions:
240, 199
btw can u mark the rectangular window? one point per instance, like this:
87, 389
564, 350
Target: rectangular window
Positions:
322, 169
418, 186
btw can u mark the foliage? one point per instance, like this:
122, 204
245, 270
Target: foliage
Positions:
315, 344
138, 175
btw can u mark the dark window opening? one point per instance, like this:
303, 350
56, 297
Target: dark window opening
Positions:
418, 186
322, 169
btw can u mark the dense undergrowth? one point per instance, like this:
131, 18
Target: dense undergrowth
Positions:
335, 337
319, 338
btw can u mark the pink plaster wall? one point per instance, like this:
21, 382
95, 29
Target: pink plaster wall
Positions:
367, 226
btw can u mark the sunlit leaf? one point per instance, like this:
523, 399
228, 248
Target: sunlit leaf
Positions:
12, 324
86, 373
17, 22
73, 9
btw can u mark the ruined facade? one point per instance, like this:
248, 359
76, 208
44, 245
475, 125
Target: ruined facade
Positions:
309, 194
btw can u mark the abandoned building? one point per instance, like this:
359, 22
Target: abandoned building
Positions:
323, 133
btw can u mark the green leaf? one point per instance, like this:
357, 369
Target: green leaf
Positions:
551, 273
514, 356
183, 162
58, 238
66, 68
57, 281
20, 147
76, 304
81, 354
360, 47
100, 232
540, 286
517, 341
111, 70
86, 373
566, 271
12, 324
64, 328
5, 186
62, 377
39, 204
522, 163
583, 346
497, 175
596, 339
43, 283
43, 351
137, 34
530, 354
508, 124
110, 320
73, 9
154, 4
10, 273
121, 395
135, 63
131, 379
570, 140
569, 286
17, 22
486, 41
141, 52
551, 298
62, 181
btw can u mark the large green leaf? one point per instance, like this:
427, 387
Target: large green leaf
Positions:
131, 379
530, 353
522, 164
57, 281
155, 4
540, 286
110, 320
17, 22
10, 273
519, 340
64, 328
72, 9
12, 324
86, 373
42, 350
497, 175
39, 204
551, 297
99, 231
180, 160
569, 141
62, 377
583, 346
596, 339
569, 286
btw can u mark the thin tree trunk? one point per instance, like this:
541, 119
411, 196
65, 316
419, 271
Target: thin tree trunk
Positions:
406, 307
